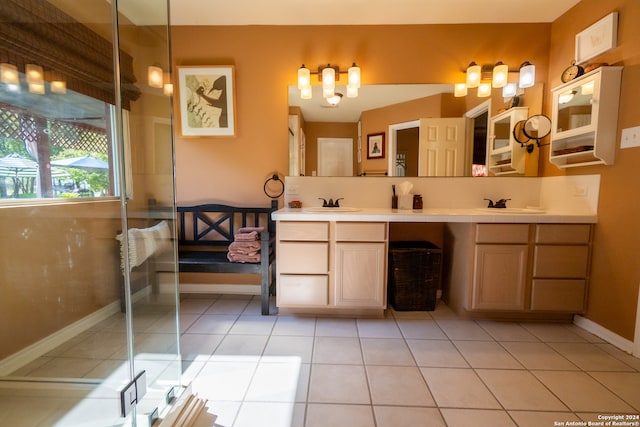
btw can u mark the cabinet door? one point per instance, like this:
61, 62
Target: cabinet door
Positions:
500, 277
360, 274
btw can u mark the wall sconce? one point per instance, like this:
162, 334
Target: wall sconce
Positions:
57, 84
476, 76
328, 75
167, 88
35, 78
566, 97
155, 76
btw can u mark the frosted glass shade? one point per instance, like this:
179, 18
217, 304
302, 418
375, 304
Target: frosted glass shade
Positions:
459, 90
354, 76
484, 90
527, 75
474, 73
304, 78
500, 75
9, 74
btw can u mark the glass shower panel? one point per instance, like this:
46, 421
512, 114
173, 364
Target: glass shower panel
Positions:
80, 163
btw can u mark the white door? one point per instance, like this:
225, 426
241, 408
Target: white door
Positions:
442, 147
335, 157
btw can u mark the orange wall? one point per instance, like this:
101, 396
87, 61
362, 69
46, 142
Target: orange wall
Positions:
615, 272
315, 130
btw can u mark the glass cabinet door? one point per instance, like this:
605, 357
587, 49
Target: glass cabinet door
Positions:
575, 106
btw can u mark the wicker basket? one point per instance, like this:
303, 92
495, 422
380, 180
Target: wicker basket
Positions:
414, 275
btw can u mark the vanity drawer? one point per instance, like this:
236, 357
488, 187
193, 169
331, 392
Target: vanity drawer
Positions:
561, 261
303, 290
558, 295
563, 233
502, 233
361, 231
303, 230
303, 257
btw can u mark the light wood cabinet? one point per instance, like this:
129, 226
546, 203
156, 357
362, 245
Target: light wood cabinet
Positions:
331, 265
528, 270
561, 267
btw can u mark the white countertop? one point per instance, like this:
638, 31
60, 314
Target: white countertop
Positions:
471, 215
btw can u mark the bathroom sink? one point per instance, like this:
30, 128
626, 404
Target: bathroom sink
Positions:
316, 209
511, 210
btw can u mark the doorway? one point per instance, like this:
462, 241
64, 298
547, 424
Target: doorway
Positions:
477, 124
335, 157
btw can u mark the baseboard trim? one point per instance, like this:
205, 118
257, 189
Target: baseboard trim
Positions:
29, 354
211, 288
604, 333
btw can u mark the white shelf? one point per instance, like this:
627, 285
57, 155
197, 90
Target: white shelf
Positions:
501, 132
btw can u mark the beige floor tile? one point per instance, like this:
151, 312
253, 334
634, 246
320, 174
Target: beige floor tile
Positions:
582, 393
386, 351
323, 415
240, 347
338, 384
436, 353
196, 306
403, 416
278, 382
486, 354
477, 418
625, 385
378, 328
199, 346
253, 325
507, 331
553, 332
226, 381
98, 345
539, 356
627, 358
426, 329
227, 306
520, 390
424, 315
337, 350
212, 324
65, 367
463, 330
542, 419
398, 385
442, 311
295, 326
186, 320
289, 346
589, 357
458, 388
327, 327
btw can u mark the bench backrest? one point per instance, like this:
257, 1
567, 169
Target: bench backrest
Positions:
215, 224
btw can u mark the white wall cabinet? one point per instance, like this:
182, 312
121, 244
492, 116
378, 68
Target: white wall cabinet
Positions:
505, 156
585, 119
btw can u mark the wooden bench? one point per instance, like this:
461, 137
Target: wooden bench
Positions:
206, 231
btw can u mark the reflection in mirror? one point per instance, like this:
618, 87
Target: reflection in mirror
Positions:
574, 107
383, 105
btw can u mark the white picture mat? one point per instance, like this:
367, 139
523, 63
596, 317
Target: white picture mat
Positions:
597, 38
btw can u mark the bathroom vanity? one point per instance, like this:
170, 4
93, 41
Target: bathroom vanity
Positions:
497, 263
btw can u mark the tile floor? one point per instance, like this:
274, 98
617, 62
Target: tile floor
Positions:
407, 369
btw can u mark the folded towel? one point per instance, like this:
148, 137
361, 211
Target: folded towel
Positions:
235, 257
144, 243
245, 234
244, 247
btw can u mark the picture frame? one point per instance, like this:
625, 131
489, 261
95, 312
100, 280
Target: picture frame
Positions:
375, 146
597, 38
207, 101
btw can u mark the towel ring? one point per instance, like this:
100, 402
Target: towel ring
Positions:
276, 178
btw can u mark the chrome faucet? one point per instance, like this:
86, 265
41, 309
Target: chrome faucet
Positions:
330, 203
500, 204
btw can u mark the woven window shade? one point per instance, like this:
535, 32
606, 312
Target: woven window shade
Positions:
35, 31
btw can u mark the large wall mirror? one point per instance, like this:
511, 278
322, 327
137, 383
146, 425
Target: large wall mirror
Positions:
326, 140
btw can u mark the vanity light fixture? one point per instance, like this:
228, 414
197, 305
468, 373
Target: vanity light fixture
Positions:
155, 76
328, 75
167, 88
35, 78
477, 77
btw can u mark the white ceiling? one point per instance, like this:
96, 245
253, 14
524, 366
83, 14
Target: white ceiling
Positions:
361, 12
